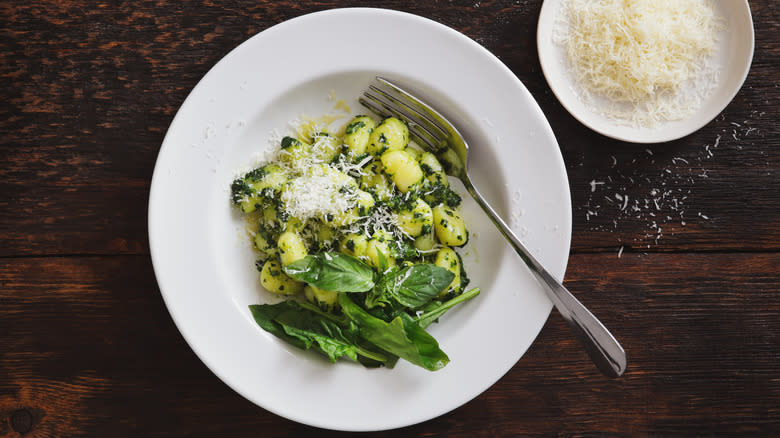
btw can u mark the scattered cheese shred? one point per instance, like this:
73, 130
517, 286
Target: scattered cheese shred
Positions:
650, 58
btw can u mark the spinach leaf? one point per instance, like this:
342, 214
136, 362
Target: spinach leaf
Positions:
433, 314
339, 319
387, 360
264, 316
329, 337
332, 271
401, 336
295, 324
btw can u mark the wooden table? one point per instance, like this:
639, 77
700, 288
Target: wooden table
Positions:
88, 348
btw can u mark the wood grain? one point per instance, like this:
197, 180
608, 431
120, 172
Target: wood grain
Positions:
90, 91
88, 348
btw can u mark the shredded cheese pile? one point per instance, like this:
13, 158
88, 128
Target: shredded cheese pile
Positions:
313, 190
316, 194
641, 54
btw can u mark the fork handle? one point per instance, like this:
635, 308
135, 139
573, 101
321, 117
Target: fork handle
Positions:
604, 350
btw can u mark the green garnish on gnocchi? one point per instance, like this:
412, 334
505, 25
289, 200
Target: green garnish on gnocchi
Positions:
358, 228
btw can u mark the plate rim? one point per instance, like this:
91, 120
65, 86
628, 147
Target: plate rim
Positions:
157, 176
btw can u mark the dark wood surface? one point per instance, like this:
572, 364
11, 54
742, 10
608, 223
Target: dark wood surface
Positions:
87, 347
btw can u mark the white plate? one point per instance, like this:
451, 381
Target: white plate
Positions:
204, 264
733, 58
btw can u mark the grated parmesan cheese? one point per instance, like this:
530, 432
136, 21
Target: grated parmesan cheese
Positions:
316, 193
649, 59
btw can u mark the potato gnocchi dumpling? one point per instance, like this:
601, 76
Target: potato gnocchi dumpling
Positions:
354, 245
447, 258
291, 247
323, 298
449, 226
325, 147
416, 220
374, 180
294, 150
391, 135
274, 280
357, 229
379, 251
356, 135
402, 168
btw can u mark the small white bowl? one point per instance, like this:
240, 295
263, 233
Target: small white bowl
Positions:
733, 58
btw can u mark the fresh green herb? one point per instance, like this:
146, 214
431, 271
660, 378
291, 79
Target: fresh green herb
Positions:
373, 313
412, 286
381, 258
332, 271
256, 174
270, 194
289, 141
402, 336
264, 316
347, 190
240, 190
431, 315
406, 251
305, 329
464, 277
354, 126
441, 193
399, 202
360, 158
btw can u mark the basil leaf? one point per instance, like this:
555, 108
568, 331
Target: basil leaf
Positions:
379, 295
332, 271
375, 297
417, 284
401, 336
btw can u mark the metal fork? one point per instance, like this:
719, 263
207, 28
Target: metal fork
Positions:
434, 132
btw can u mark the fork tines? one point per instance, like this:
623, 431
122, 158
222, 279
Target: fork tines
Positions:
387, 99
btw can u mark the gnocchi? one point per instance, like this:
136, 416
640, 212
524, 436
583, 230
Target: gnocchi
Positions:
403, 169
450, 228
448, 259
390, 135
370, 194
356, 135
360, 231
274, 280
